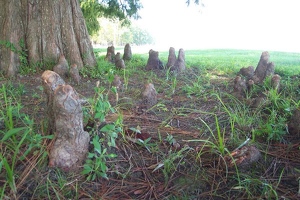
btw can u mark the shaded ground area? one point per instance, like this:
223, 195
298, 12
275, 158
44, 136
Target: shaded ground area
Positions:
183, 159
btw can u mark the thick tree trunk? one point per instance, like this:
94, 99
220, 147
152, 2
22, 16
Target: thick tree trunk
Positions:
10, 33
48, 28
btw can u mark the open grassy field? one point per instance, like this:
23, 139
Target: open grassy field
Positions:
199, 141
286, 63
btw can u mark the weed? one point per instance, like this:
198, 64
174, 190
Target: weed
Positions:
274, 128
170, 139
241, 116
102, 68
100, 105
174, 83
172, 161
95, 165
10, 156
195, 87
146, 143
111, 131
254, 187
10, 107
219, 141
46, 64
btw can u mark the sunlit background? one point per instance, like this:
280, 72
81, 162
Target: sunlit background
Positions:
237, 24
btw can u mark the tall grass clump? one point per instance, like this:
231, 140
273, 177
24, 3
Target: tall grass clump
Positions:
19, 141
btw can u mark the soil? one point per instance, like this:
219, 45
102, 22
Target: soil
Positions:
179, 127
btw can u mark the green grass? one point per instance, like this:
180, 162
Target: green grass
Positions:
229, 60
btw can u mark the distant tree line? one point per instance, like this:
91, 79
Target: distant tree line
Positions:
113, 32
108, 22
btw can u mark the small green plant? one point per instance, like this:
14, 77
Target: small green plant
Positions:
102, 68
146, 143
241, 116
169, 73
22, 53
274, 128
172, 161
170, 139
9, 107
174, 83
111, 131
95, 165
218, 143
195, 87
10, 157
253, 187
17, 137
56, 185
219, 140
274, 115
100, 105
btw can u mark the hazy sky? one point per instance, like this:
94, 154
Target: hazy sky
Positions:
242, 24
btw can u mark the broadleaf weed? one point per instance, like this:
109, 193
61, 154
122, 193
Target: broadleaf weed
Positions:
95, 165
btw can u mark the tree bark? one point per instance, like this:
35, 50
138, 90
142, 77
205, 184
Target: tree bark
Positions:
65, 121
71, 141
51, 80
48, 28
153, 62
264, 68
171, 58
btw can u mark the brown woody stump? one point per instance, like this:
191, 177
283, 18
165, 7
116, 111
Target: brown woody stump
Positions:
243, 157
117, 57
153, 62
71, 141
239, 86
117, 82
119, 62
171, 58
127, 52
247, 72
294, 124
264, 68
149, 95
65, 122
108, 57
275, 82
51, 80
110, 54
179, 65
74, 73
62, 67
248, 77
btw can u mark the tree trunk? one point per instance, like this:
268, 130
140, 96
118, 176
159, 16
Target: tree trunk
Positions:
48, 28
